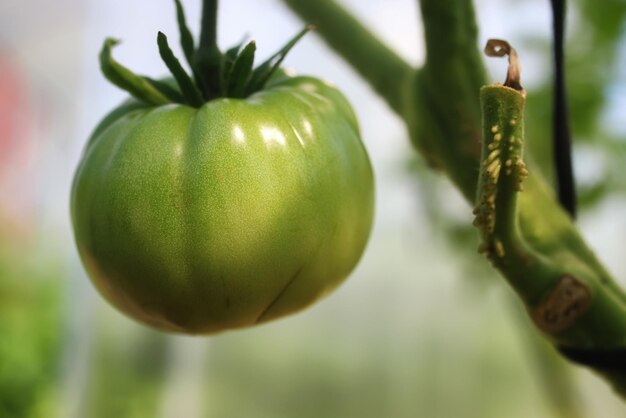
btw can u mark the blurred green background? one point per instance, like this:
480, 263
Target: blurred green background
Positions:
423, 328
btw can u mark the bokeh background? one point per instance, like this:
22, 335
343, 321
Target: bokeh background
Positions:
423, 328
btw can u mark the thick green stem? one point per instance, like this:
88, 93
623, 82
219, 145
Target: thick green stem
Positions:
208, 56
450, 32
502, 170
572, 304
383, 69
443, 114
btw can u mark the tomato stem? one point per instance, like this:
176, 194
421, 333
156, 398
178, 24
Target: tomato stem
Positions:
208, 58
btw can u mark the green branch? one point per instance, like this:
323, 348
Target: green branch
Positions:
382, 68
567, 300
527, 236
445, 118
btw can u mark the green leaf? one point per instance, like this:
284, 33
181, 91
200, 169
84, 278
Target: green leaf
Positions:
125, 79
263, 72
241, 71
187, 87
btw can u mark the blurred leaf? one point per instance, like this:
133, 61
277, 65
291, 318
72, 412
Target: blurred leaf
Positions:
29, 337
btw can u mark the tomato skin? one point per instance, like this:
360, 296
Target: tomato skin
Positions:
236, 213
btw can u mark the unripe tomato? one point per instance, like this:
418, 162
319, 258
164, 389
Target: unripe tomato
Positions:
240, 211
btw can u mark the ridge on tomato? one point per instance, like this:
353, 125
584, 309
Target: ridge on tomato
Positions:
221, 201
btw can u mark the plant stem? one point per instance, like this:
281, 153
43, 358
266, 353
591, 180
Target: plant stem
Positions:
444, 120
568, 293
383, 69
208, 55
208, 32
561, 137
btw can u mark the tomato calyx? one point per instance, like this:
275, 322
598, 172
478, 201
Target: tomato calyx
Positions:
213, 74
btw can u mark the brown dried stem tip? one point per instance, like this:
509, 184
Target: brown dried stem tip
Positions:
500, 48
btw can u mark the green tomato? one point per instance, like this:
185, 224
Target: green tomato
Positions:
199, 220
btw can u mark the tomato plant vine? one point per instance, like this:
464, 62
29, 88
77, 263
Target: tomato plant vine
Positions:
530, 238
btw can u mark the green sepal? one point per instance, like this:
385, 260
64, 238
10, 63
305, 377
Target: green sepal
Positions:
230, 56
186, 39
137, 86
188, 88
241, 71
263, 72
214, 74
188, 45
166, 89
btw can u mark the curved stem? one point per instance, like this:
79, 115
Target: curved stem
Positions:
502, 171
383, 69
444, 122
573, 305
500, 48
451, 32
